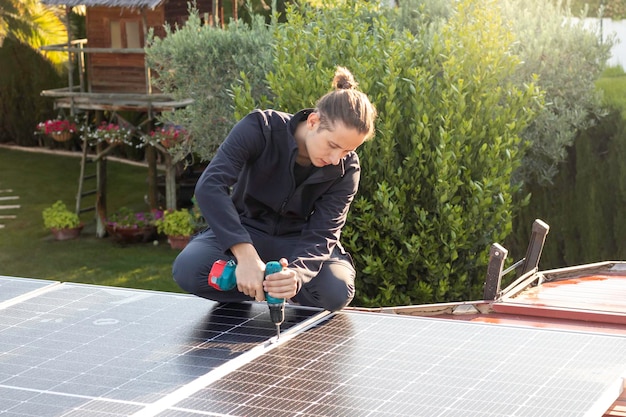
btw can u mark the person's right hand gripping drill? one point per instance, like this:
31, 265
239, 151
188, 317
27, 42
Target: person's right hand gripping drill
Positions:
224, 276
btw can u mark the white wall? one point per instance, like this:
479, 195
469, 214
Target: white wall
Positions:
616, 28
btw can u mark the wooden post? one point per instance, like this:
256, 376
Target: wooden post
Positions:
144, 24
497, 256
151, 154
153, 192
101, 188
170, 182
70, 55
214, 13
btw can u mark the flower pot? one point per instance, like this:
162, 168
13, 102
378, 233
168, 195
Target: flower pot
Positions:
66, 234
132, 234
61, 136
178, 242
114, 140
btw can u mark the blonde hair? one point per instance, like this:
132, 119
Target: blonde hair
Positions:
347, 105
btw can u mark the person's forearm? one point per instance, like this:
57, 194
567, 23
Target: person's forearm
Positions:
245, 252
249, 271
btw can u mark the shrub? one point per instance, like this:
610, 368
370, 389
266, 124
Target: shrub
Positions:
58, 216
568, 58
564, 53
583, 204
23, 75
176, 223
125, 217
202, 62
436, 184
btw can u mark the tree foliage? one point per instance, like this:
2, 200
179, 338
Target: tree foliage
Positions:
202, 62
32, 23
568, 57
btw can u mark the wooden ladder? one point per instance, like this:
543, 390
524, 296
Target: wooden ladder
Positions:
83, 178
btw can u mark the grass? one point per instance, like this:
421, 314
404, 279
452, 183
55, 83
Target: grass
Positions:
28, 250
613, 85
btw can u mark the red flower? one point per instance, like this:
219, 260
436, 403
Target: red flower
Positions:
110, 132
56, 126
168, 136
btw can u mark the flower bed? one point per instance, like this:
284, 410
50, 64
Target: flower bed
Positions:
127, 226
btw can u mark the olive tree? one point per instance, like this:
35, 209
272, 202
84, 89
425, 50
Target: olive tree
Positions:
202, 62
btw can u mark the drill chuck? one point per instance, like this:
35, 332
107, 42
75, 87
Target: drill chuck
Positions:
277, 313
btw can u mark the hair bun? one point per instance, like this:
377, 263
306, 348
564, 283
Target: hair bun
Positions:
344, 80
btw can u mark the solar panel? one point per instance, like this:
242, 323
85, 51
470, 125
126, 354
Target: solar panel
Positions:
80, 350
358, 364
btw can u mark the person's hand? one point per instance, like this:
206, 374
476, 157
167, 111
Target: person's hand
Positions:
250, 279
250, 271
283, 284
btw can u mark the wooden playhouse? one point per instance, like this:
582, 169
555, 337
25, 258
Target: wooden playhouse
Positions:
111, 76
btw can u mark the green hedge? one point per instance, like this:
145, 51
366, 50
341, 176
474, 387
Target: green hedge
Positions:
439, 181
23, 75
436, 185
586, 203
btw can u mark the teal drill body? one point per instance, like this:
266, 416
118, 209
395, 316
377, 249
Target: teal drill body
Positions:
222, 277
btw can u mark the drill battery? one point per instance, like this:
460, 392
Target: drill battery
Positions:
222, 275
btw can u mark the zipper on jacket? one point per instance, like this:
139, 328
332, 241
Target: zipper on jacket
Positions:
281, 211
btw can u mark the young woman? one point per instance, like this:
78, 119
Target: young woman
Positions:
280, 186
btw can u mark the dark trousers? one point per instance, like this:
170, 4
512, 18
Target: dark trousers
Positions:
331, 289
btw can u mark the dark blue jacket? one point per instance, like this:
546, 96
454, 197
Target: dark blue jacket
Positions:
250, 182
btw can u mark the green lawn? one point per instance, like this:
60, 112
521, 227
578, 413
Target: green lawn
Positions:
613, 85
28, 250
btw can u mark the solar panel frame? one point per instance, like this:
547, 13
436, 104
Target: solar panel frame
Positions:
11, 288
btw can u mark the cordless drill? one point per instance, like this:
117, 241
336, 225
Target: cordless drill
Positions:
222, 277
